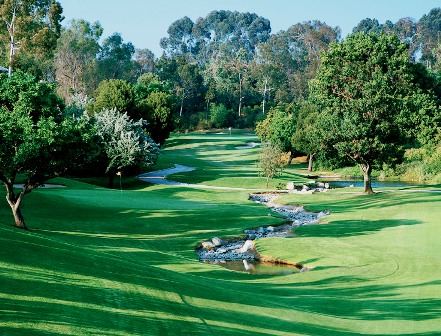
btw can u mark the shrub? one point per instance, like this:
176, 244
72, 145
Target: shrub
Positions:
220, 116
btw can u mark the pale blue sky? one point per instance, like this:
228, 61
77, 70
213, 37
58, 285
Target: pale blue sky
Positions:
145, 22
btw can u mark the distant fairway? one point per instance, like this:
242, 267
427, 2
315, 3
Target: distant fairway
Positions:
106, 262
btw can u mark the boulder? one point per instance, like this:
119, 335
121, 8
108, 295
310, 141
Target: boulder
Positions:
270, 228
305, 188
261, 230
321, 214
252, 236
249, 245
327, 186
208, 245
217, 241
290, 186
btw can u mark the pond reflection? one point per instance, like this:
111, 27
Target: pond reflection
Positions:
256, 267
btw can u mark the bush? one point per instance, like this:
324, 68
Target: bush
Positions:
220, 116
251, 115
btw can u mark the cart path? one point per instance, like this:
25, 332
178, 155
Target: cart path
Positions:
159, 177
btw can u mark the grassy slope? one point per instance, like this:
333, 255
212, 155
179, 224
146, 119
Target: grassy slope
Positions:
109, 263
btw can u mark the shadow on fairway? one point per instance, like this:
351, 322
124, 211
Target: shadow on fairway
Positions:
349, 228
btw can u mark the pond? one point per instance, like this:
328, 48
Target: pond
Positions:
256, 267
347, 182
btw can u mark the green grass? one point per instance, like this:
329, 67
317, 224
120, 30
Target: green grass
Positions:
106, 262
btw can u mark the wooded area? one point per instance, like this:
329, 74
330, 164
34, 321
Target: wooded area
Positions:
371, 99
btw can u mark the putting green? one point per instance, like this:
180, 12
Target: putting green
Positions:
111, 262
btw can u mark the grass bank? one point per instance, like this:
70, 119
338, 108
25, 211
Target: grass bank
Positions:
112, 262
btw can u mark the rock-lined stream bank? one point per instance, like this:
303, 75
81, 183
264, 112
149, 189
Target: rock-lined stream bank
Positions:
243, 249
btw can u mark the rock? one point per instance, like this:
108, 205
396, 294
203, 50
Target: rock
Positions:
217, 241
320, 184
321, 214
351, 186
208, 245
290, 186
261, 230
247, 265
251, 236
305, 188
249, 245
327, 186
222, 250
270, 228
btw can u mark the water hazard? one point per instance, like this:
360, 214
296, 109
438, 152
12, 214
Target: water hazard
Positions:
240, 254
347, 182
256, 267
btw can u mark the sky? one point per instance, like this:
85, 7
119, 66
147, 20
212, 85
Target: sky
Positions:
145, 22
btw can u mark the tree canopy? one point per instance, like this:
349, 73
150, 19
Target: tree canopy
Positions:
368, 95
29, 32
36, 140
123, 142
278, 128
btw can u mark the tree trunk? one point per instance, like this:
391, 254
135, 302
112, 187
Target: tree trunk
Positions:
291, 156
14, 202
182, 106
367, 170
11, 56
311, 160
240, 94
18, 218
11, 30
264, 97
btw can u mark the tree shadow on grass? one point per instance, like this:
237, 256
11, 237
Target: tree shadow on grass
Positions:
350, 228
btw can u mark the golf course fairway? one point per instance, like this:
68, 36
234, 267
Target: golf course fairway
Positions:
121, 262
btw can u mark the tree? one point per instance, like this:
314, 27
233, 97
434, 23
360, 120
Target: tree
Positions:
369, 96
289, 59
123, 141
368, 26
144, 62
270, 161
404, 28
181, 39
36, 141
429, 34
220, 116
278, 128
75, 58
219, 32
114, 93
190, 88
154, 103
225, 32
115, 58
304, 138
232, 76
30, 32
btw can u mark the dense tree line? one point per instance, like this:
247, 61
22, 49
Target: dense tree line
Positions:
227, 59
372, 99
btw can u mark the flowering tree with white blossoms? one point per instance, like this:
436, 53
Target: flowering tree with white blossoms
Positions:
124, 142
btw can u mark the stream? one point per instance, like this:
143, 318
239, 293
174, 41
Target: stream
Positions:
240, 254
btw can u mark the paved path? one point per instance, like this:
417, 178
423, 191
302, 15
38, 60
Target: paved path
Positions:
159, 177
